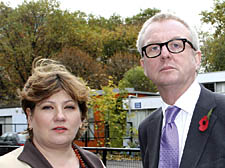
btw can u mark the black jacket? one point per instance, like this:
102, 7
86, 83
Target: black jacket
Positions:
202, 149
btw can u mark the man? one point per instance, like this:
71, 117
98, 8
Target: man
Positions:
195, 137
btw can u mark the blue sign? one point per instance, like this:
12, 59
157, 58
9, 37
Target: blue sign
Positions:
137, 105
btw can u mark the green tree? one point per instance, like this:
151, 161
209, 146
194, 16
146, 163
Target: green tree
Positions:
40, 28
110, 107
6, 97
122, 39
118, 34
213, 48
33, 29
135, 78
84, 66
119, 64
141, 17
101, 22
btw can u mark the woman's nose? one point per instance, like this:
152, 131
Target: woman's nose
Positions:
60, 115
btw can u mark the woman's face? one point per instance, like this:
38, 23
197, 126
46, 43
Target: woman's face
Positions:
55, 121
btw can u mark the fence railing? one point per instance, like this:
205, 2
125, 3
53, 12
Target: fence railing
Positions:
100, 135
111, 157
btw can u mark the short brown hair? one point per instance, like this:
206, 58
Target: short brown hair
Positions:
48, 77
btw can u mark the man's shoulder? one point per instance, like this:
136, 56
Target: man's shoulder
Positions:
151, 117
218, 98
220, 105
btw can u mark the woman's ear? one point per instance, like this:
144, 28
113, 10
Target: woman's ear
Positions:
29, 118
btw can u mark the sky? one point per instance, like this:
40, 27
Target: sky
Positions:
189, 10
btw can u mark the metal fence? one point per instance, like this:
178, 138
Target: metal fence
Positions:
118, 157
99, 135
111, 157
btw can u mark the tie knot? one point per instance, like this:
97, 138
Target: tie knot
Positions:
171, 113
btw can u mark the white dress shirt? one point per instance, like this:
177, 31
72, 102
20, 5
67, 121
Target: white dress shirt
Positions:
187, 103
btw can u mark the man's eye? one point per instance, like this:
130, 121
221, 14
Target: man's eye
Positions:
152, 48
176, 45
155, 48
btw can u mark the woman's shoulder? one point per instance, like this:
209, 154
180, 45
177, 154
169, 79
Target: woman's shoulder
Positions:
13, 154
90, 158
10, 160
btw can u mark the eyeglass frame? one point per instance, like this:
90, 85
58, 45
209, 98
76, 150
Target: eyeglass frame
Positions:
184, 40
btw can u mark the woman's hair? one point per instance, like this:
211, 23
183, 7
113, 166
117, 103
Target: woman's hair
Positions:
162, 17
48, 77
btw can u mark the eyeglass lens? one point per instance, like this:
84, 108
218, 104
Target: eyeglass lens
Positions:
174, 46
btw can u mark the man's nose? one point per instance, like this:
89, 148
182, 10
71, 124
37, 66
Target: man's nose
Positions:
165, 52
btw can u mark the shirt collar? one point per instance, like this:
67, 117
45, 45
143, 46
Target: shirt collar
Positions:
187, 100
33, 157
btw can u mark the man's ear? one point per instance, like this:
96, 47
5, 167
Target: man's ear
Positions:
29, 117
142, 62
198, 57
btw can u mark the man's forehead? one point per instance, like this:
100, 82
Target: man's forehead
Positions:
165, 30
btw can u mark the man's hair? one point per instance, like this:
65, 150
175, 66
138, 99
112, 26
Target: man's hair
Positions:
49, 77
162, 17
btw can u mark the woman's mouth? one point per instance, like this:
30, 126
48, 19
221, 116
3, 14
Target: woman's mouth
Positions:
60, 129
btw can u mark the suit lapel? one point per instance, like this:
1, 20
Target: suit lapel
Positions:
154, 135
196, 140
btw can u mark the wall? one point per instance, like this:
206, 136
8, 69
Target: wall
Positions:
12, 120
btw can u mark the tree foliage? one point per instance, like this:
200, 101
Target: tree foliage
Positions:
84, 66
135, 78
7, 97
109, 106
33, 29
41, 28
214, 44
141, 17
119, 64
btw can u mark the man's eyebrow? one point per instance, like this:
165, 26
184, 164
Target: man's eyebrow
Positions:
156, 42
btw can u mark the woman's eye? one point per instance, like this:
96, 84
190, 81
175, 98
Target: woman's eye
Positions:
47, 107
69, 107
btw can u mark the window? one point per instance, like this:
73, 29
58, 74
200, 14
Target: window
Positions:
209, 86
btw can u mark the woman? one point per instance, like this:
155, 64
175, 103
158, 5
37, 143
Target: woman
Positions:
55, 103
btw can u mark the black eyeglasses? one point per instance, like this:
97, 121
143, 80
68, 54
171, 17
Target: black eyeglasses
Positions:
174, 46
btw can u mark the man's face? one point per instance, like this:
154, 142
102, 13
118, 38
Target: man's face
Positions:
170, 69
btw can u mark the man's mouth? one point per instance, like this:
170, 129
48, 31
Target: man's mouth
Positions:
167, 68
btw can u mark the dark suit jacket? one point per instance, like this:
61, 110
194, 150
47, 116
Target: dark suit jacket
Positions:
202, 149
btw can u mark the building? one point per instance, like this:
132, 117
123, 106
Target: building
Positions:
97, 137
142, 106
214, 81
12, 120
138, 104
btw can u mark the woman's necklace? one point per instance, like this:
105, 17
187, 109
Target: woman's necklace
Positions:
82, 164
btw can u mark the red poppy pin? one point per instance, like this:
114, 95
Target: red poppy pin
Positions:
204, 122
